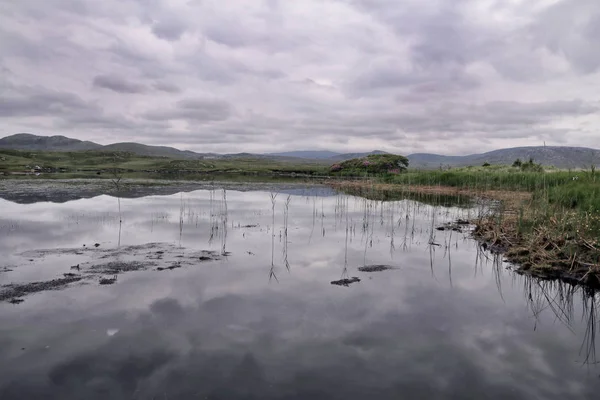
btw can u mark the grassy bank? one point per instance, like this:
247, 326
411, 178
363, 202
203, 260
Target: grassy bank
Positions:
546, 223
86, 163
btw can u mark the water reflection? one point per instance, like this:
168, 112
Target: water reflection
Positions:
220, 330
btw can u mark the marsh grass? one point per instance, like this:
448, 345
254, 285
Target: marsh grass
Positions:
502, 179
547, 222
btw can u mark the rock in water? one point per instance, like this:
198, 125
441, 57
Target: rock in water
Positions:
346, 282
375, 268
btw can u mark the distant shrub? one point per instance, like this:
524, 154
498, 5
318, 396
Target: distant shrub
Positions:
335, 168
531, 166
486, 164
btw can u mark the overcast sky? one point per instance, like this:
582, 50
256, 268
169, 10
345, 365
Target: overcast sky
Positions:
445, 76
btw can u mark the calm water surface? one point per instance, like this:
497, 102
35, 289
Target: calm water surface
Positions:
264, 321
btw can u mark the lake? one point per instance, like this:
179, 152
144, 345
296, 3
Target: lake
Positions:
278, 291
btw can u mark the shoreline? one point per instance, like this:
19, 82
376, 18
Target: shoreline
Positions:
545, 252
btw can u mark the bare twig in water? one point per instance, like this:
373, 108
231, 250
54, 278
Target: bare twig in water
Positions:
272, 270
116, 177
285, 231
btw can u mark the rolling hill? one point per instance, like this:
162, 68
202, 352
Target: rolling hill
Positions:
152, 151
324, 155
560, 157
309, 154
26, 141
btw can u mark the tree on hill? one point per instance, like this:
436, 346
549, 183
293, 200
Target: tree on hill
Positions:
373, 164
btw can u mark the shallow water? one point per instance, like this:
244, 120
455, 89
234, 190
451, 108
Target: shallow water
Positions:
262, 320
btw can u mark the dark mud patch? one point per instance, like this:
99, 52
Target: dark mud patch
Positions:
37, 254
108, 281
100, 252
346, 281
376, 268
15, 291
169, 268
459, 225
106, 264
116, 267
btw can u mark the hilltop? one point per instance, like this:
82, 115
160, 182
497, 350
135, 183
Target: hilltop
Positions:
26, 141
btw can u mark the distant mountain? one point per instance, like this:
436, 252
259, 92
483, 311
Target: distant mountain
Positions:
558, 156
323, 155
152, 151
29, 142
26, 141
309, 154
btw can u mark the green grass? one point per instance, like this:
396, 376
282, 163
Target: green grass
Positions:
91, 162
576, 195
494, 179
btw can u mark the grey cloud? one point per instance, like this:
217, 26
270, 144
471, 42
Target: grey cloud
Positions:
388, 74
193, 109
223, 34
66, 109
168, 29
494, 119
118, 84
27, 101
96, 121
266, 73
441, 34
210, 68
569, 28
268, 35
166, 87
543, 109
